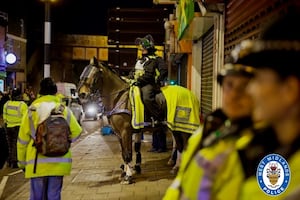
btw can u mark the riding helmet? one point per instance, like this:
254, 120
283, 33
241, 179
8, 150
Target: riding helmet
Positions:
146, 42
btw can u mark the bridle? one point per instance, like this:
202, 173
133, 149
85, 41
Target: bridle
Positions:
98, 79
95, 83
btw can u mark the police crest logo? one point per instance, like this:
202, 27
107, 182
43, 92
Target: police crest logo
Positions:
273, 174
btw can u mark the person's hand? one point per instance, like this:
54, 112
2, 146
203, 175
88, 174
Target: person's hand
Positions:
125, 78
135, 83
128, 80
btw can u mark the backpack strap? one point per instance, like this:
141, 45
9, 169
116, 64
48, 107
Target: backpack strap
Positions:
33, 135
69, 116
61, 108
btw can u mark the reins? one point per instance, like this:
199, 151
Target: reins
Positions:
113, 93
115, 109
116, 96
119, 102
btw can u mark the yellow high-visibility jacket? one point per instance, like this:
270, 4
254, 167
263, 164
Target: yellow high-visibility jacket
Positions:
46, 166
215, 172
13, 112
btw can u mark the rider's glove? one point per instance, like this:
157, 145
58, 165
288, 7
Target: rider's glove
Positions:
135, 83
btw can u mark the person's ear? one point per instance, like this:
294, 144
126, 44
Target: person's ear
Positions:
291, 87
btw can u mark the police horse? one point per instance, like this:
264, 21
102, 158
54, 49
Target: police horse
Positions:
97, 78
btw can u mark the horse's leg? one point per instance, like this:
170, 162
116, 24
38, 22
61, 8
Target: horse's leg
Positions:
177, 163
126, 144
137, 149
123, 174
121, 124
172, 160
181, 139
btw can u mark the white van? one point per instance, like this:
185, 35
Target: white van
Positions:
67, 89
70, 98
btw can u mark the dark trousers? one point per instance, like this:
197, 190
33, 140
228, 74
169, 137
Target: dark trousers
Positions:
151, 107
159, 140
12, 137
3, 147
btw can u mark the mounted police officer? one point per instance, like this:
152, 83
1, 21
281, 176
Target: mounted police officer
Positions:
13, 111
150, 72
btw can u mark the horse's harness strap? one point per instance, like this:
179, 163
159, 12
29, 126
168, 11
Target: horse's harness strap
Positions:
116, 110
117, 92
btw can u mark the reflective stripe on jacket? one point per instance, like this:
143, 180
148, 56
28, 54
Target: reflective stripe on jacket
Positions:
46, 166
13, 111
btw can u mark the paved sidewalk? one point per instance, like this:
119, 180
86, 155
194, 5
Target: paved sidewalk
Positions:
96, 171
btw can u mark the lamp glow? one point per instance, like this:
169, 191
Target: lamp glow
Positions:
10, 58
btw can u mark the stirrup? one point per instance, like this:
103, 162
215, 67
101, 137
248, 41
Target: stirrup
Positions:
153, 122
156, 122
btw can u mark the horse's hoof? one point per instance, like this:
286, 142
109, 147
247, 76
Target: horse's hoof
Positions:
138, 169
174, 170
127, 180
171, 162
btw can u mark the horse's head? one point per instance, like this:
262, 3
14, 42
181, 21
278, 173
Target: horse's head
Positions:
98, 78
88, 79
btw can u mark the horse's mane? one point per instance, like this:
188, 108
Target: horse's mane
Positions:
105, 65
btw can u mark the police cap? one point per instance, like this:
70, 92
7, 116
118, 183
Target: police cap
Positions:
231, 69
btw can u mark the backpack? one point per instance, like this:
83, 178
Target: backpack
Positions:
52, 136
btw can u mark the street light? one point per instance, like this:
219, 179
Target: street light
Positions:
47, 37
10, 58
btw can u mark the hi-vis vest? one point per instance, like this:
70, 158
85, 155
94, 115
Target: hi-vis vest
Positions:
215, 172
139, 67
13, 112
26, 151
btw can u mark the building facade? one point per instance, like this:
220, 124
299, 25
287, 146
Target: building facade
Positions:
13, 46
208, 35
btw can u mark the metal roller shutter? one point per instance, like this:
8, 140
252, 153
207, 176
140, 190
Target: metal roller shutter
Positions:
207, 73
244, 19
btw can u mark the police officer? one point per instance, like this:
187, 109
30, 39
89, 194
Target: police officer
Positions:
13, 111
150, 72
276, 93
199, 174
